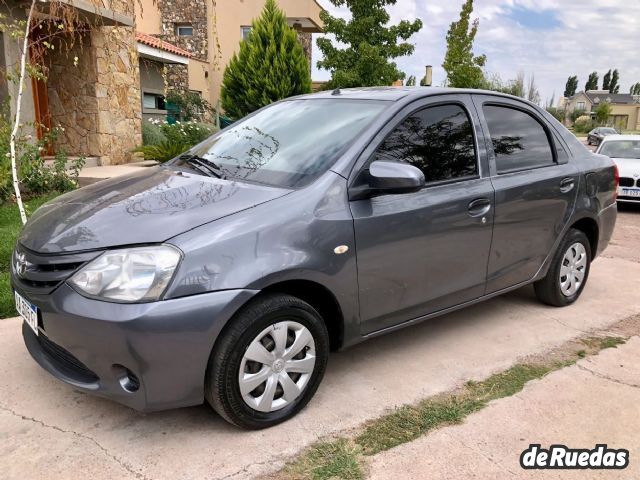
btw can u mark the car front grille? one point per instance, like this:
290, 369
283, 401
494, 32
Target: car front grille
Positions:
65, 362
626, 182
41, 273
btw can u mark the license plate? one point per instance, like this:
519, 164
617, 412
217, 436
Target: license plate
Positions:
28, 312
630, 192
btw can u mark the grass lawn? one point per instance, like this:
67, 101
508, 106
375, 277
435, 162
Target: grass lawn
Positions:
10, 226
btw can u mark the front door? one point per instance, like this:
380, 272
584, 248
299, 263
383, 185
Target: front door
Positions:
421, 252
536, 187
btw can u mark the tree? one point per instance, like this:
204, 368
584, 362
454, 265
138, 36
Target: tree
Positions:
602, 112
571, 86
411, 81
464, 70
592, 82
557, 113
533, 94
606, 80
271, 65
635, 89
613, 86
370, 44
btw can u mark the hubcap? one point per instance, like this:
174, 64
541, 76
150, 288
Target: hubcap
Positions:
277, 366
573, 269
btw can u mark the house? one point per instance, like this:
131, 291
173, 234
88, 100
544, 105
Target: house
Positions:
211, 32
154, 55
120, 58
92, 88
625, 108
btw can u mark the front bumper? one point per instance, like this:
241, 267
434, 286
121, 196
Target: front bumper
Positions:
166, 344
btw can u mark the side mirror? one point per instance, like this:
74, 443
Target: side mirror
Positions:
387, 177
395, 177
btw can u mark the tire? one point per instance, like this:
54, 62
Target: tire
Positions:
297, 325
588, 141
552, 290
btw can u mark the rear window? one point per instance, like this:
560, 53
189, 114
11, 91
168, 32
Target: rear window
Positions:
519, 140
621, 148
290, 143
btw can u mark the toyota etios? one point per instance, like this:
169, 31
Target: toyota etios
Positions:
230, 272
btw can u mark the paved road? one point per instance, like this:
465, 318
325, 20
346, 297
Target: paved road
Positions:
50, 431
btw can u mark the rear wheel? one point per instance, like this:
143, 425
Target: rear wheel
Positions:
268, 362
568, 272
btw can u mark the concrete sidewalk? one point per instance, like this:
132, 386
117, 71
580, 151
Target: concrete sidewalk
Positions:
92, 174
595, 401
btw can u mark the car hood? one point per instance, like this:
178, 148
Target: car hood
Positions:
628, 167
147, 207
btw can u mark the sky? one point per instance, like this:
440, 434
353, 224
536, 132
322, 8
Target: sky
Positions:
551, 39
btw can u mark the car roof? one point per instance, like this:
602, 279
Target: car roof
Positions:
397, 93
611, 138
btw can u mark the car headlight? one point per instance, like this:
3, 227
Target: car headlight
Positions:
139, 274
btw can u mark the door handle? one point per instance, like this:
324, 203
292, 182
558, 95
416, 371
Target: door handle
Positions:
567, 184
479, 207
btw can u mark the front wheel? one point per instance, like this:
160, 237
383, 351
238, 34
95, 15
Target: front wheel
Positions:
568, 272
268, 362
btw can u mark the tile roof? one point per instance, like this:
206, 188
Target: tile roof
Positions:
155, 42
620, 98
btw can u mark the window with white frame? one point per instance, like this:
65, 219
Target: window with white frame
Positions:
184, 29
579, 105
153, 101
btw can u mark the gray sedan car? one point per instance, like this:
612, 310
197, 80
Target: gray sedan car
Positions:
229, 273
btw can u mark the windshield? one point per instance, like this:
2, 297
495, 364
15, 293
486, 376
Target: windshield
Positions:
621, 148
608, 131
288, 144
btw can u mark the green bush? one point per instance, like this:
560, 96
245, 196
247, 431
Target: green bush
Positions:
175, 139
152, 133
189, 105
36, 176
584, 124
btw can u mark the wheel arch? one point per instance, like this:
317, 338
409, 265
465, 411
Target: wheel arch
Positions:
590, 228
320, 298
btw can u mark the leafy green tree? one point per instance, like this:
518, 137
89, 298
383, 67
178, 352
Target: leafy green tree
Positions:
571, 86
370, 44
614, 87
411, 81
462, 67
271, 65
635, 89
606, 80
602, 112
557, 113
592, 82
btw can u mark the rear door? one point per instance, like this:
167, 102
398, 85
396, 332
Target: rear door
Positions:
421, 252
535, 186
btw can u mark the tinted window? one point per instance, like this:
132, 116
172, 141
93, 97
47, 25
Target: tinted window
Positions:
288, 144
519, 141
437, 140
621, 149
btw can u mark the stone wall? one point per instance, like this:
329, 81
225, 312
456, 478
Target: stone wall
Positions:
307, 44
194, 13
177, 77
96, 98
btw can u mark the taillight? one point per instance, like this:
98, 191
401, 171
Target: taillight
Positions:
616, 181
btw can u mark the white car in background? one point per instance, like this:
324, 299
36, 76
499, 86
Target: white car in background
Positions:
624, 150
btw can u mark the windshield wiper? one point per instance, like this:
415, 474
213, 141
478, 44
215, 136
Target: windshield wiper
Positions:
203, 165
